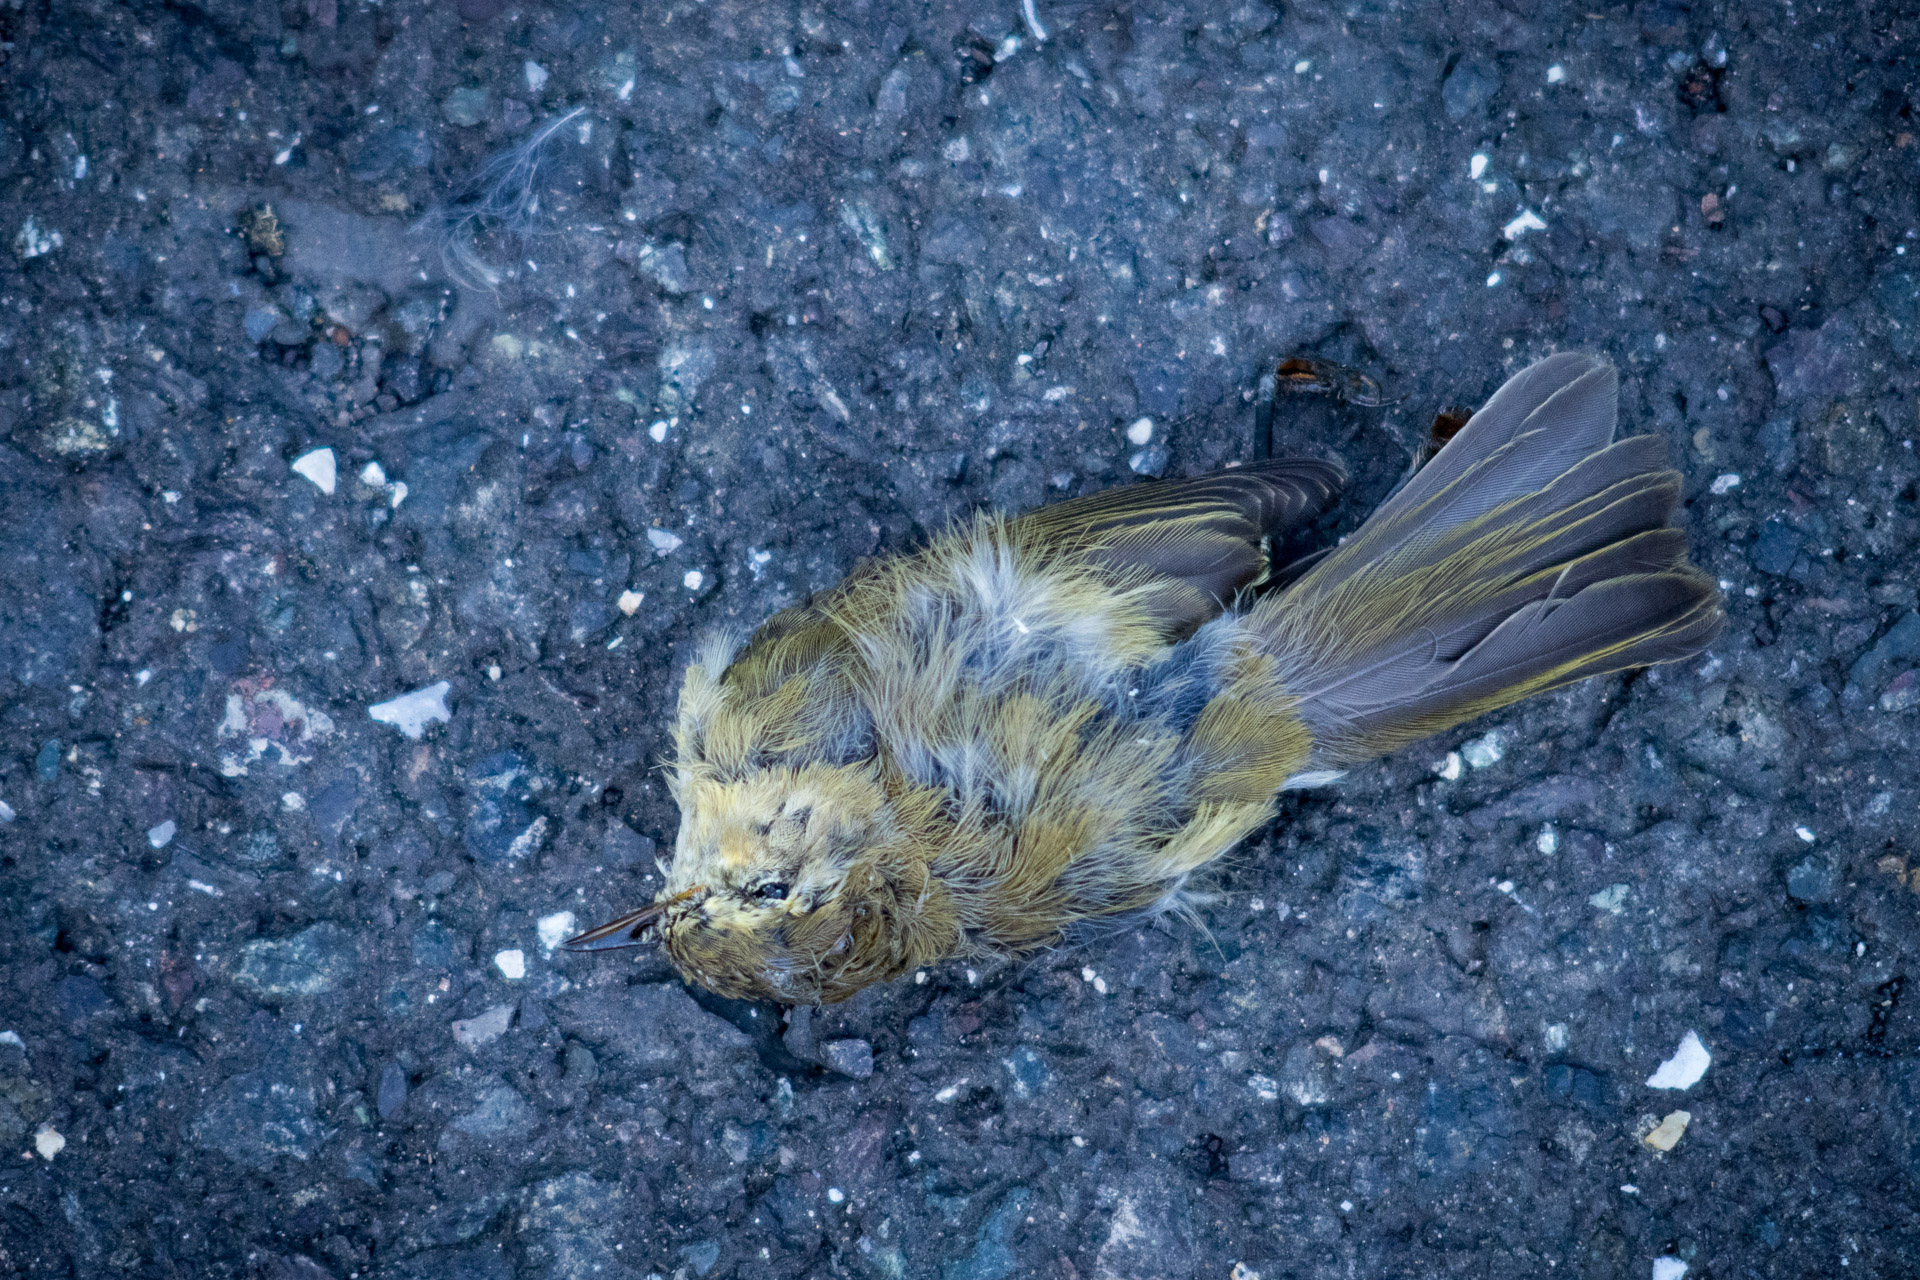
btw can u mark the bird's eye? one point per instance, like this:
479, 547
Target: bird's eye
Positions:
774, 891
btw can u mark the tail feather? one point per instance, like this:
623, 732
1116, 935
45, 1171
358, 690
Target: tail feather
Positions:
1541, 423
1540, 555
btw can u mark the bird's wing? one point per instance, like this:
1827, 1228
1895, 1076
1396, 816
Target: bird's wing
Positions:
1199, 542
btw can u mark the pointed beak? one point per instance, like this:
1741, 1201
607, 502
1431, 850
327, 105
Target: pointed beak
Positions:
627, 931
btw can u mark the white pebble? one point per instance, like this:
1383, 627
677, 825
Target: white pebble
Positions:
1548, 841
1476, 166
662, 541
1667, 1134
318, 466
629, 601
1556, 74
1488, 749
693, 579
293, 802
161, 834
536, 76
836, 1195
1805, 834
374, 476
1668, 1268
1726, 483
1527, 221
658, 431
1556, 1036
1449, 767
512, 964
1140, 431
554, 929
1684, 1069
48, 1141
411, 713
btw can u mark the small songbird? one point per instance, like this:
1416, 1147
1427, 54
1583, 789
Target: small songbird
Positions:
1038, 724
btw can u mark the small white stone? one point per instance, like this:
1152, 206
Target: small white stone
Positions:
48, 1141
663, 541
512, 964
693, 579
1611, 899
1684, 1069
411, 713
161, 834
35, 241
483, 1028
1548, 841
658, 431
536, 74
1556, 74
1086, 973
1493, 279
1140, 431
374, 476
1556, 1036
1726, 483
12, 1038
554, 929
1476, 167
1668, 1268
1805, 833
629, 601
836, 1195
399, 494
1100, 985
1449, 767
1527, 220
318, 466
1487, 749
293, 802
1667, 1134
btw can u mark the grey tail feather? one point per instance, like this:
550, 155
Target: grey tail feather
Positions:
1531, 553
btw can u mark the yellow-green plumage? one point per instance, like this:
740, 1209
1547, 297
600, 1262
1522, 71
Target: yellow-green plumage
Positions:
1055, 720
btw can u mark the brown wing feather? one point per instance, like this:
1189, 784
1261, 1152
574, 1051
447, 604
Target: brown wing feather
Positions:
1200, 541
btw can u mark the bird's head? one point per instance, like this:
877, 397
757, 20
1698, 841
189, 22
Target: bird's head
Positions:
798, 885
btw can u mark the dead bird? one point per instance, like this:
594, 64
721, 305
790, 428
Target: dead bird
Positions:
1043, 723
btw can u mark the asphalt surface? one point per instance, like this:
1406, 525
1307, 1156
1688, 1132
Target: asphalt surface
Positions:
321, 387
